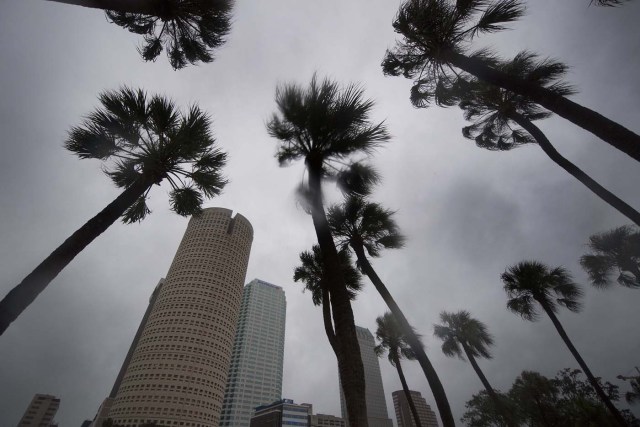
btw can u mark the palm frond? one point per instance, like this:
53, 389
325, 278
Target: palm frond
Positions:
136, 212
496, 15
186, 201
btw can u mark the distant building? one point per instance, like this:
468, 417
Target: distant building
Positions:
403, 411
255, 376
176, 370
322, 420
40, 412
377, 414
282, 413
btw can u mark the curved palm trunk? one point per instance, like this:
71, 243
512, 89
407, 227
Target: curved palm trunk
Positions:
20, 297
430, 373
606, 129
485, 382
407, 393
144, 7
348, 355
326, 317
601, 394
604, 194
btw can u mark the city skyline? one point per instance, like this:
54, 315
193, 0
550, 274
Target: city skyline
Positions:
467, 212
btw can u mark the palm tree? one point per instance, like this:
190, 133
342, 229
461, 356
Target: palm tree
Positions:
436, 38
633, 396
142, 141
462, 333
325, 125
393, 341
311, 273
499, 116
188, 29
609, 3
614, 250
362, 226
531, 282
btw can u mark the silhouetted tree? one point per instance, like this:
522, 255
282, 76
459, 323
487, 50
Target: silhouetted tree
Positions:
325, 125
609, 3
460, 334
393, 341
633, 396
368, 228
311, 273
143, 141
481, 411
531, 285
189, 30
614, 251
503, 120
436, 39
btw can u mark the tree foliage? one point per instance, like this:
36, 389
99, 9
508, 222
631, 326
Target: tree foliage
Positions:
460, 330
188, 30
392, 340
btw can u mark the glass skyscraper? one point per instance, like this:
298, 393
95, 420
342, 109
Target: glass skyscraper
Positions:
377, 414
255, 376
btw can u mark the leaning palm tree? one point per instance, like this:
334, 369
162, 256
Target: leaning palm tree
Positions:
460, 334
614, 251
189, 30
326, 126
311, 273
393, 342
436, 39
503, 120
142, 140
531, 285
367, 228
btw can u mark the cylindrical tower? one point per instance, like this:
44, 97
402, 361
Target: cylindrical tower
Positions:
178, 371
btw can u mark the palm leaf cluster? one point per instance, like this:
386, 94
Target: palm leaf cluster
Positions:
392, 340
311, 273
187, 29
460, 332
614, 253
531, 282
433, 29
138, 137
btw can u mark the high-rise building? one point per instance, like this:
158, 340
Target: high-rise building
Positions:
40, 412
403, 411
377, 414
255, 376
176, 372
282, 413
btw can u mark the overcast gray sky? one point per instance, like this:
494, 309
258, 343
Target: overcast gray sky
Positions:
468, 213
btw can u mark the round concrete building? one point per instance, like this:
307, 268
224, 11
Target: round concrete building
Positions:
177, 372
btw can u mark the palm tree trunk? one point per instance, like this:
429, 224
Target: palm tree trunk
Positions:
144, 7
594, 383
604, 194
326, 317
485, 382
20, 297
407, 393
349, 358
606, 129
430, 373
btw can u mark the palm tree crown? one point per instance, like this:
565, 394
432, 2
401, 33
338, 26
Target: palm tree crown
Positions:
392, 340
359, 222
529, 282
189, 30
460, 331
491, 108
324, 124
311, 273
613, 251
431, 28
149, 139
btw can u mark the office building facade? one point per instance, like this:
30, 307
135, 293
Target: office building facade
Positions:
40, 412
282, 413
176, 372
404, 417
255, 375
377, 414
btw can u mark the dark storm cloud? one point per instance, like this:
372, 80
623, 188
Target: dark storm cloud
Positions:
468, 213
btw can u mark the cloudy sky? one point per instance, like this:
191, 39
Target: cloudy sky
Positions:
468, 213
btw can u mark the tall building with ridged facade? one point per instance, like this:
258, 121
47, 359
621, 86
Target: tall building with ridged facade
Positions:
404, 416
255, 376
176, 372
377, 414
